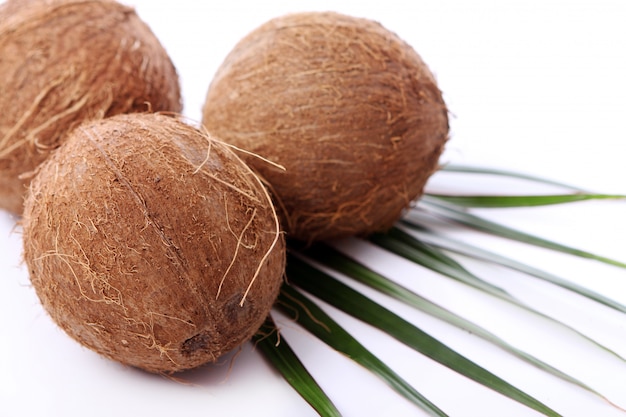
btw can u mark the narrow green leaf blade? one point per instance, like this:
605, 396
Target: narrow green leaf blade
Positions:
278, 352
447, 243
316, 321
466, 169
335, 259
454, 215
403, 244
354, 303
509, 201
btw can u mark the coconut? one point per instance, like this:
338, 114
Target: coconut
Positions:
350, 111
65, 61
152, 243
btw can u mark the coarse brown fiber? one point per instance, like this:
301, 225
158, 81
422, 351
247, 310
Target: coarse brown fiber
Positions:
350, 111
65, 61
152, 243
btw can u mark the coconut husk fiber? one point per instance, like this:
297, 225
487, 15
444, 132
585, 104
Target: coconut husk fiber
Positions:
350, 111
151, 243
65, 61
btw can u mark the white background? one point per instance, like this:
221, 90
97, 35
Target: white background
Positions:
533, 86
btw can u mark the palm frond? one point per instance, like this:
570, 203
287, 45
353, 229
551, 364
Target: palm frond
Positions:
341, 296
412, 239
469, 169
508, 201
330, 257
315, 320
429, 209
279, 353
444, 242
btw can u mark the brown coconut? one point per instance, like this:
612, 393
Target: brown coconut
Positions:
65, 61
350, 111
152, 243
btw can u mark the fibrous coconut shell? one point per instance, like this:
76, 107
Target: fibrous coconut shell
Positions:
350, 111
65, 61
152, 243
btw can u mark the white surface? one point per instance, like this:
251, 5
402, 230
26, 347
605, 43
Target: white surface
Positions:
534, 86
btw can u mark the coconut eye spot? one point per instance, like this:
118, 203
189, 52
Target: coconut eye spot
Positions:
199, 342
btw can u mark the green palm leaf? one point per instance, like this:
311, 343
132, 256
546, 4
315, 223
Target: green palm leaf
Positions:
475, 252
339, 261
501, 201
359, 306
402, 244
277, 351
409, 247
316, 321
466, 169
427, 248
435, 210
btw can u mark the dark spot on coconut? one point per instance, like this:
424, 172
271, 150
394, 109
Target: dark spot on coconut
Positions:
234, 311
199, 342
